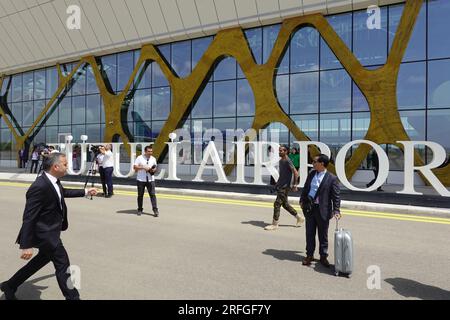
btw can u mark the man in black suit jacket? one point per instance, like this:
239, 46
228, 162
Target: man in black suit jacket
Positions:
319, 201
44, 218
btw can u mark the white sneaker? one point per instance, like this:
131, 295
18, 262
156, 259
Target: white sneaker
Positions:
300, 220
271, 227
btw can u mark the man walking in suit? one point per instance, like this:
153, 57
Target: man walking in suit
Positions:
319, 201
44, 218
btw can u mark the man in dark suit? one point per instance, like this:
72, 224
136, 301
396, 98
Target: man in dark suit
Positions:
319, 201
44, 218
375, 169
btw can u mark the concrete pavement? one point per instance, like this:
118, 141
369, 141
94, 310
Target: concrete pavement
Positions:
213, 248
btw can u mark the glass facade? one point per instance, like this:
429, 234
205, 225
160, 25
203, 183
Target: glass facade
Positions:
310, 84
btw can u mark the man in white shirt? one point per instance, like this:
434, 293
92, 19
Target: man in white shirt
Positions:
108, 168
145, 166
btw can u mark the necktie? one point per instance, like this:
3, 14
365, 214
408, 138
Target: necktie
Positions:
146, 173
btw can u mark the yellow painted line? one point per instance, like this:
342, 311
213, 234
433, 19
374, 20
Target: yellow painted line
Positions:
261, 204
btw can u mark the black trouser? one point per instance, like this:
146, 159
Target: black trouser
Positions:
108, 178
102, 178
282, 201
375, 172
34, 163
151, 192
315, 221
61, 262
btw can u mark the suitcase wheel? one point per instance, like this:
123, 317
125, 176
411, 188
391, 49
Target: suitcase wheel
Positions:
336, 273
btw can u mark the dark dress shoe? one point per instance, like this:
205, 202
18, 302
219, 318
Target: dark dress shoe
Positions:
9, 293
307, 261
324, 262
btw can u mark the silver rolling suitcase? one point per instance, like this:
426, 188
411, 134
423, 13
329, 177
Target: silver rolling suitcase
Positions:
343, 251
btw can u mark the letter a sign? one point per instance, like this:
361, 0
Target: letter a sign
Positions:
73, 22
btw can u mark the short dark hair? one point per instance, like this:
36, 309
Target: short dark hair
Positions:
285, 147
323, 158
148, 148
50, 160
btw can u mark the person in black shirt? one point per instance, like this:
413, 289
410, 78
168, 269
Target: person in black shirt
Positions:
286, 182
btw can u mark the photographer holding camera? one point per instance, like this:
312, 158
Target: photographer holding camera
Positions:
108, 167
145, 166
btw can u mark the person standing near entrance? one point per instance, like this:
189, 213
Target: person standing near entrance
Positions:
375, 168
287, 181
44, 217
108, 168
320, 201
145, 166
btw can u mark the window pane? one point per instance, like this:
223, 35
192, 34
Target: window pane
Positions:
64, 110
369, 45
181, 58
416, 45
142, 105
361, 121
411, 86
226, 69
254, 39
414, 124
79, 87
17, 88
16, 109
335, 131
125, 67
28, 86
39, 84
245, 99
90, 81
199, 47
109, 66
39, 105
144, 76
438, 127
52, 82
51, 134
160, 103
78, 110
93, 132
282, 91
438, 26
309, 124
93, 108
334, 91
158, 78
305, 92
439, 84
27, 113
270, 34
305, 50
52, 114
79, 130
225, 99
342, 24
142, 131
203, 106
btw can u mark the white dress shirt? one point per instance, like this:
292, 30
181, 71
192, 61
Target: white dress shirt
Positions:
142, 175
108, 160
315, 184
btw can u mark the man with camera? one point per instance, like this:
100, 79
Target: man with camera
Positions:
108, 168
145, 166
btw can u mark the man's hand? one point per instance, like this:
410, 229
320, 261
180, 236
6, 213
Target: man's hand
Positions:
92, 191
337, 215
27, 254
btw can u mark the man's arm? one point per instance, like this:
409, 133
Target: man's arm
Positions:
31, 213
335, 198
78, 193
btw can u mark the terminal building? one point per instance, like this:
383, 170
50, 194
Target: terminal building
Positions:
135, 70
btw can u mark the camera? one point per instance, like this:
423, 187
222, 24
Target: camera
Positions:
96, 149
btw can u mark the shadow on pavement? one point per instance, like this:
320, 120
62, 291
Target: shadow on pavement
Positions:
285, 254
262, 224
29, 290
134, 212
413, 289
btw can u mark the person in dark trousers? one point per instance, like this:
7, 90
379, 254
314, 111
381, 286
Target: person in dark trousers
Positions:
44, 218
287, 181
108, 168
34, 159
101, 171
145, 166
375, 168
320, 201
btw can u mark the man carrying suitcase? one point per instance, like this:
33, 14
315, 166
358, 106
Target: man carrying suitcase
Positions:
319, 201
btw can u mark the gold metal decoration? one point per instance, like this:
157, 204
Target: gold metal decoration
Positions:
378, 86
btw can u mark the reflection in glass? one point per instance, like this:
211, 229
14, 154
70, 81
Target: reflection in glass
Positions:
411, 86
93, 132
52, 114
369, 45
335, 131
125, 65
438, 26
225, 69
142, 131
158, 78
305, 50
282, 91
416, 45
109, 66
27, 113
199, 47
52, 82
64, 110
245, 99
438, 128
79, 130
360, 125
225, 99
342, 25
160, 103
91, 84
39, 105
439, 84
304, 92
51, 134
93, 108
17, 88
39, 84
79, 87
203, 106
28, 82
309, 124
335, 91
142, 106
16, 109
181, 58
414, 124
78, 110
